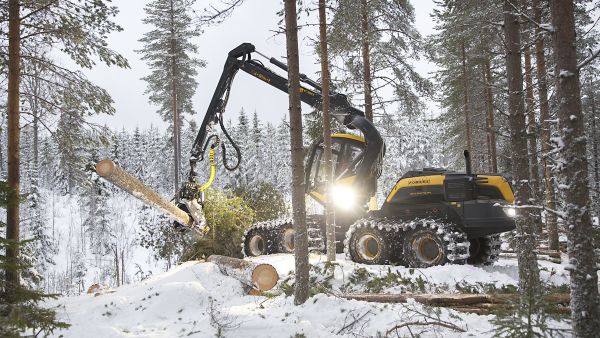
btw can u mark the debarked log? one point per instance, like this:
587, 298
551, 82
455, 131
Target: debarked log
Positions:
261, 277
119, 177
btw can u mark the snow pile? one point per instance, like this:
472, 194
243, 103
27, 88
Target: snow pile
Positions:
195, 299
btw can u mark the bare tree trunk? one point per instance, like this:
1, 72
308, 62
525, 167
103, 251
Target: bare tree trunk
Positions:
489, 103
300, 233
545, 132
531, 126
176, 132
329, 217
1, 150
528, 268
366, 49
14, 78
116, 252
122, 266
595, 141
466, 99
573, 174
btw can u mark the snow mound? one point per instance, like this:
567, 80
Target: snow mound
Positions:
195, 299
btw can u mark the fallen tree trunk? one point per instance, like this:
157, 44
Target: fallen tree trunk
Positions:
451, 299
539, 257
119, 177
261, 277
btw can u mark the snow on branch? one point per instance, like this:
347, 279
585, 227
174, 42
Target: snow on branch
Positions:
543, 26
589, 59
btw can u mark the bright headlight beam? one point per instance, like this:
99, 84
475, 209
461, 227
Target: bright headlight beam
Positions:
344, 197
510, 212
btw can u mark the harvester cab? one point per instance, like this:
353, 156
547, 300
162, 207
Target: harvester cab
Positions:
347, 193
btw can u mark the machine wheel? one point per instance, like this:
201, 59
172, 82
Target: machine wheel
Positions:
257, 242
484, 250
285, 239
432, 243
369, 244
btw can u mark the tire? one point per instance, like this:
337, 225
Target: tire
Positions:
285, 239
484, 250
367, 244
257, 242
432, 243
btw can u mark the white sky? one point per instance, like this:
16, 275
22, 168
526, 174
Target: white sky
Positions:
253, 22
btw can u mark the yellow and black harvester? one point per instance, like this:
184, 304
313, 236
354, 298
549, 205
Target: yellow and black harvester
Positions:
430, 216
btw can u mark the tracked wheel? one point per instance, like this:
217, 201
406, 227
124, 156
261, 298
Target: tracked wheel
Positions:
368, 243
432, 243
285, 239
484, 250
258, 242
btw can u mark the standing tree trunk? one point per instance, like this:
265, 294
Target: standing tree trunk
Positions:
14, 78
176, 132
528, 268
329, 217
489, 104
116, 251
545, 132
466, 99
366, 49
595, 158
573, 174
300, 232
531, 127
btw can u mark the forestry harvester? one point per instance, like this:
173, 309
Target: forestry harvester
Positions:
430, 216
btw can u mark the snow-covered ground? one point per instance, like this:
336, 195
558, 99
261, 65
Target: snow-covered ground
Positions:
195, 299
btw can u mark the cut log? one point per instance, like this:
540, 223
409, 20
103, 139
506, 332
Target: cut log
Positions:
539, 257
446, 299
261, 277
451, 299
119, 177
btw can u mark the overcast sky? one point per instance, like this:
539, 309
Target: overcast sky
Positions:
253, 22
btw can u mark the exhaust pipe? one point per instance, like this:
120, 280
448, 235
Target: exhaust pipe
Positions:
467, 162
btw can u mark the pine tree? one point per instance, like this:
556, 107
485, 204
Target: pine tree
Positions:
297, 152
545, 129
466, 49
169, 52
370, 43
572, 170
529, 278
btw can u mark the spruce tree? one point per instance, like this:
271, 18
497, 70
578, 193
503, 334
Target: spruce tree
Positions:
169, 53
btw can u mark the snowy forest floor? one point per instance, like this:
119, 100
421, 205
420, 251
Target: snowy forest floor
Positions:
195, 299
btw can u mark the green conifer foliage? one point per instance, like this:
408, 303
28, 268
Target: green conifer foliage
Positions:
20, 310
169, 53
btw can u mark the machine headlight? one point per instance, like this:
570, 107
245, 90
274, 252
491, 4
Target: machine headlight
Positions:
510, 211
343, 197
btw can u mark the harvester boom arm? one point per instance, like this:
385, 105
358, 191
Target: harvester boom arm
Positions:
341, 109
